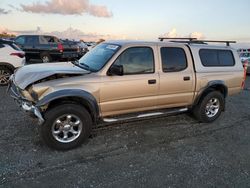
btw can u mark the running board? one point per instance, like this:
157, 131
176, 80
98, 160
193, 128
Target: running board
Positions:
145, 115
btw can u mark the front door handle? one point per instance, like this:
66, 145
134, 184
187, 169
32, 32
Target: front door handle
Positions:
186, 78
151, 81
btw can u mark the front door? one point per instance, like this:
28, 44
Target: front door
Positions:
136, 90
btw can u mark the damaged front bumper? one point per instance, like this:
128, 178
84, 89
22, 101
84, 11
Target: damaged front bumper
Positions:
25, 105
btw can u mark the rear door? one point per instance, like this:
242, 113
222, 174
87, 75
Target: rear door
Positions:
177, 78
137, 89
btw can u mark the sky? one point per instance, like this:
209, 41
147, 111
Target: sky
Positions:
130, 19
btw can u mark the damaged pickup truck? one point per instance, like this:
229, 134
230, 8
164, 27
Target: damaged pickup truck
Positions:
126, 80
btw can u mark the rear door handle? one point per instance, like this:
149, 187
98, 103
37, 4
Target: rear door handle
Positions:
151, 81
186, 78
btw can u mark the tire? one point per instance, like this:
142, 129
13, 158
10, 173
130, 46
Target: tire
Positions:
5, 74
66, 126
45, 57
209, 107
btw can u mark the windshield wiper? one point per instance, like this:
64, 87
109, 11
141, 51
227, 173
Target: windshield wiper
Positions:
76, 63
85, 66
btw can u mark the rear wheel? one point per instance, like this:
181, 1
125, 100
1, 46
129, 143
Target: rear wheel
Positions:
45, 57
209, 107
5, 74
66, 126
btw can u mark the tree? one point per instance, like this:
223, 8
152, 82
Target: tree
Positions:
6, 35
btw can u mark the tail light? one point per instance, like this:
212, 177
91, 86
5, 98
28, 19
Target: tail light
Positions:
60, 47
18, 54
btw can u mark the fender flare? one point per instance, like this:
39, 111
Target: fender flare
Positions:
88, 98
211, 85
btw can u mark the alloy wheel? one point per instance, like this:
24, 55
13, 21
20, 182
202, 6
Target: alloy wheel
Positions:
4, 77
67, 128
212, 107
45, 59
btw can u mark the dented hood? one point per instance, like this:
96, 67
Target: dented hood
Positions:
29, 74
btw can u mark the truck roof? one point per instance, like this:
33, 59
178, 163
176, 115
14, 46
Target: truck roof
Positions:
159, 43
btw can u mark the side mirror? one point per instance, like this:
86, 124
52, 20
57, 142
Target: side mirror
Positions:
115, 70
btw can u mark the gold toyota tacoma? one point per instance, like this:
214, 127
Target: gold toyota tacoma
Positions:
126, 80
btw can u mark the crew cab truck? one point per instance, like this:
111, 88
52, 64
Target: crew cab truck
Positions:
126, 80
46, 48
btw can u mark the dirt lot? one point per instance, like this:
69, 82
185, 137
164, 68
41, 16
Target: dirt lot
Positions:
173, 151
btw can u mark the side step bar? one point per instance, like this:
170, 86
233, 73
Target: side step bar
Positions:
145, 115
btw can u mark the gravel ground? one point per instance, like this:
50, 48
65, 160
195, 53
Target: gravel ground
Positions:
172, 151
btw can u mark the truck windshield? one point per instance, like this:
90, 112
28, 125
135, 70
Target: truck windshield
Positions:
99, 56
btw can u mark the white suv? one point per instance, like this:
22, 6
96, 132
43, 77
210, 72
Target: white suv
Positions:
11, 57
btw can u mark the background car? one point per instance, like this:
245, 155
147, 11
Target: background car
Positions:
245, 56
82, 48
11, 57
46, 48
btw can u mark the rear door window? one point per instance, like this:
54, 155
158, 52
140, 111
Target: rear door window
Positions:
216, 58
173, 59
31, 40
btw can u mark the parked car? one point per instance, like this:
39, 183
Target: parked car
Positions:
245, 56
126, 80
46, 48
82, 48
11, 57
90, 45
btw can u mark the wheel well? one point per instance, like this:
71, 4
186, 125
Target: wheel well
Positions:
218, 87
8, 66
75, 100
221, 88
44, 53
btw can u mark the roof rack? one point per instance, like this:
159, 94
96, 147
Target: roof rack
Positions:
196, 41
227, 42
176, 38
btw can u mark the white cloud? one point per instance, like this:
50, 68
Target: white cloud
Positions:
197, 35
171, 34
174, 34
67, 7
3, 11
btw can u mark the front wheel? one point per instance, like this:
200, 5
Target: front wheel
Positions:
210, 107
5, 74
66, 126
